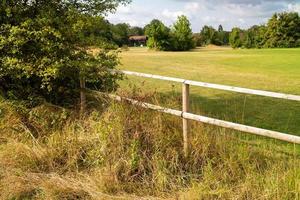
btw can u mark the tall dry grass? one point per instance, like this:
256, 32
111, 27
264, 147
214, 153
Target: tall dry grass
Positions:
126, 152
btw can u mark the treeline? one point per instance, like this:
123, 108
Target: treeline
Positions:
209, 35
281, 31
97, 31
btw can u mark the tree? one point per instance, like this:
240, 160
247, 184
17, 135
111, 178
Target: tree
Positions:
283, 30
220, 28
93, 31
254, 37
236, 38
136, 31
120, 34
41, 54
197, 39
158, 35
182, 34
208, 35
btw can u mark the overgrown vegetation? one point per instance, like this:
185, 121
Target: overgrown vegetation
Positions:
115, 150
126, 152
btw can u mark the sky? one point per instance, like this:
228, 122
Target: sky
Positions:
229, 13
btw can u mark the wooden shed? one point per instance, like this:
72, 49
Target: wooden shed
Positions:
138, 40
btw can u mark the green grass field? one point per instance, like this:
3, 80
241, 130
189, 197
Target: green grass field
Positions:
268, 69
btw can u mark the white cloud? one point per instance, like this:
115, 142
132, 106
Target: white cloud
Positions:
125, 9
241, 20
207, 19
172, 15
294, 7
192, 7
229, 13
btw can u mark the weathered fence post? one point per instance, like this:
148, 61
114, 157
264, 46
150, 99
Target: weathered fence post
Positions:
82, 96
185, 125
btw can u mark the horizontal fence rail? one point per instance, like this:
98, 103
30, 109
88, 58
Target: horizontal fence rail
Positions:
186, 115
212, 121
218, 86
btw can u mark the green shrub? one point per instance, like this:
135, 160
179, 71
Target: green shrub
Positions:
43, 56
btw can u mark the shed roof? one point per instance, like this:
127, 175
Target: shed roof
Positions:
138, 37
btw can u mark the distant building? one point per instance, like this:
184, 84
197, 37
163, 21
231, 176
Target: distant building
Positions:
138, 40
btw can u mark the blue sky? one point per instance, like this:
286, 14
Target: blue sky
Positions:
229, 13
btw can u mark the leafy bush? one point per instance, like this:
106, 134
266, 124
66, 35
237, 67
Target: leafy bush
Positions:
42, 54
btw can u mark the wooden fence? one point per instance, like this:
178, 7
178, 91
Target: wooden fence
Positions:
189, 116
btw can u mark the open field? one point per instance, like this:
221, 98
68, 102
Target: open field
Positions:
268, 69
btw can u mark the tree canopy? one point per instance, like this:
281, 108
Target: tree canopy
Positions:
178, 38
183, 35
158, 34
236, 38
281, 31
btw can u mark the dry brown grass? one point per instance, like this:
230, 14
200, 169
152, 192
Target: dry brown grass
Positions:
130, 153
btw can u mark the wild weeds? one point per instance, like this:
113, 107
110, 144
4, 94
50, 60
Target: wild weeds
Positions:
127, 151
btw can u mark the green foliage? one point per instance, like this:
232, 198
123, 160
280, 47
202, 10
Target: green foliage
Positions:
236, 38
182, 35
209, 35
254, 37
120, 34
92, 31
197, 39
158, 34
42, 49
283, 30
136, 31
179, 38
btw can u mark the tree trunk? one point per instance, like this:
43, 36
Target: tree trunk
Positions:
82, 96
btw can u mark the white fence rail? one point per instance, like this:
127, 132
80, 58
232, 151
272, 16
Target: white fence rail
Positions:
218, 86
189, 116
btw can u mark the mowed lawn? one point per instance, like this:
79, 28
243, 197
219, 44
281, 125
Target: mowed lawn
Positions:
275, 70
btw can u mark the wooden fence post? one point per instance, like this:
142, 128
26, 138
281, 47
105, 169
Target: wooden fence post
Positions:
82, 97
185, 125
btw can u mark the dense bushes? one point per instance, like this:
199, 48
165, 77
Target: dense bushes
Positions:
43, 49
178, 38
